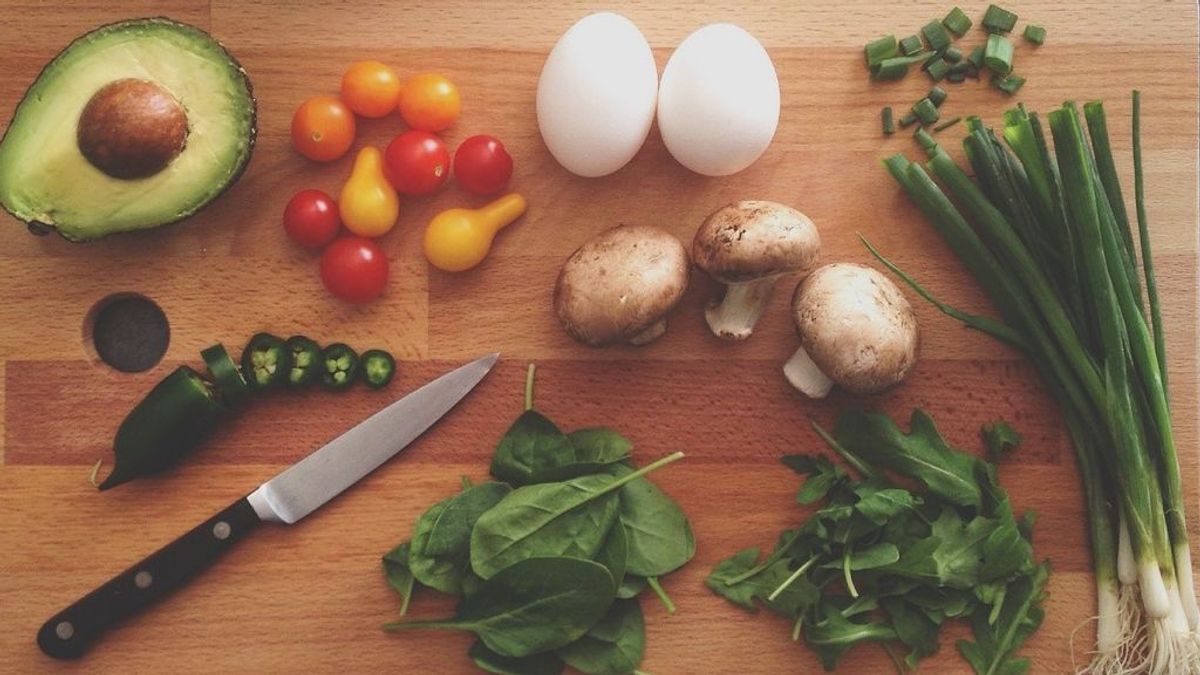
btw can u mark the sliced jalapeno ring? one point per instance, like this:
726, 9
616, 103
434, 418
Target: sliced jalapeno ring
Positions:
378, 368
225, 373
340, 366
168, 424
306, 361
266, 361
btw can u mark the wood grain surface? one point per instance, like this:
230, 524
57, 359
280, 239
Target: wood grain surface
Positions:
311, 596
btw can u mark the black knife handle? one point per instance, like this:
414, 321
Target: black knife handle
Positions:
69, 633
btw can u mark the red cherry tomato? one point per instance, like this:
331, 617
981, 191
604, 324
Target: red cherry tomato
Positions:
482, 165
311, 219
416, 163
354, 269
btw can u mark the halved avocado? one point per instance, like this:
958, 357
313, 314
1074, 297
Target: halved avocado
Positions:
134, 125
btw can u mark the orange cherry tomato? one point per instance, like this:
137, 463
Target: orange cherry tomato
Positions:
371, 89
322, 128
429, 102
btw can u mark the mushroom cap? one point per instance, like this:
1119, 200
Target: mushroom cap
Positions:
749, 240
620, 283
856, 326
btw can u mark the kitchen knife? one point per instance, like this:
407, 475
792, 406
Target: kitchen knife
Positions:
294, 493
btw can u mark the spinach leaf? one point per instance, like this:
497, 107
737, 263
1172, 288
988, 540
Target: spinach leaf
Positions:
631, 586
996, 642
533, 444
439, 556
615, 646
599, 446
659, 535
614, 554
546, 663
535, 605
399, 577
922, 454
571, 518
999, 439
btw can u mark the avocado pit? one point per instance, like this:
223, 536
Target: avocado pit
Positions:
132, 129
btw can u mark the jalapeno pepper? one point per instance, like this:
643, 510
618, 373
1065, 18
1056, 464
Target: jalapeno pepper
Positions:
378, 367
166, 425
225, 374
340, 366
306, 361
266, 362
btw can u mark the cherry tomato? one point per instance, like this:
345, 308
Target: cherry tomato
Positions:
416, 163
429, 102
354, 269
323, 128
371, 89
482, 165
311, 219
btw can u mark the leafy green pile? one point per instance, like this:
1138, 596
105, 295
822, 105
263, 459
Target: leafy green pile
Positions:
880, 562
548, 563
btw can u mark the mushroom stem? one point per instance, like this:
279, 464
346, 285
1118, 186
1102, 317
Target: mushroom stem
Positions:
733, 317
649, 335
804, 375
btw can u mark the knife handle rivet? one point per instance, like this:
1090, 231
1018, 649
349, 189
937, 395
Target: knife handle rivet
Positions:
64, 630
222, 530
143, 579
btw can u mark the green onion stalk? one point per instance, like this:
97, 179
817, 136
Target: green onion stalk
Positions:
1048, 237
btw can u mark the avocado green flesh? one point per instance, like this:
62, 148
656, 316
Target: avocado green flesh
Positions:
45, 178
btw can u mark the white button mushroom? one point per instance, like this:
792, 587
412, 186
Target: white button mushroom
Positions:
856, 330
619, 286
748, 246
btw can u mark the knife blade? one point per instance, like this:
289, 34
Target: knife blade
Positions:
291, 495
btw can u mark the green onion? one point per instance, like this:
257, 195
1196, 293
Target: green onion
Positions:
911, 45
957, 22
1008, 84
953, 54
908, 120
878, 50
937, 95
936, 35
889, 125
998, 20
956, 76
926, 111
1035, 34
937, 69
896, 67
998, 54
976, 57
947, 124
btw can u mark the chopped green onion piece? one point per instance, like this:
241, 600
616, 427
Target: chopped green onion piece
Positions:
936, 35
895, 67
1008, 84
908, 120
925, 111
960, 68
926, 141
948, 123
937, 95
998, 20
937, 70
911, 45
998, 54
1035, 34
878, 50
953, 54
976, 57
957, 22
889, 125
956, 77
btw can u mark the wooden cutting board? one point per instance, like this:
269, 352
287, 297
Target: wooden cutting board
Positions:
311, 596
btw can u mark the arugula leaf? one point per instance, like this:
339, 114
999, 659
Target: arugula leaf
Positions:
823, 476
723, 580
833, 634
1000, 439
546, 663
914, 628
614, 646
922, 454
881, 505
399, 577
993, 652
879, 555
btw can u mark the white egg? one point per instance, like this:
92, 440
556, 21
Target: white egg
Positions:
718, 105
596, 95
